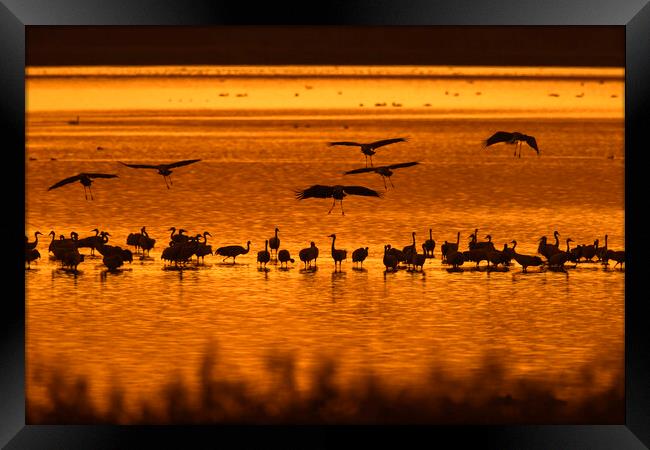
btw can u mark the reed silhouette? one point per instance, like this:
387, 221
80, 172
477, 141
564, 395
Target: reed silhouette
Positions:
490, 396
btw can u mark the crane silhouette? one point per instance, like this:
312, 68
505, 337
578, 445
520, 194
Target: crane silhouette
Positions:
337, 192
338, 254
163, 169
515, 138
369, 148
32, 245
383, 171
85, 179
274, 242
233, 251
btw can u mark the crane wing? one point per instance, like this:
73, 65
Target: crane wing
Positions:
182, 163
532, 142
360, 190
362, 170
400, 165
315, 191
64, 181
377, 144
100, 175
139, 166
499, 136
344, 143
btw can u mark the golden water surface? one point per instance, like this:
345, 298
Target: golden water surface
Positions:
262, 132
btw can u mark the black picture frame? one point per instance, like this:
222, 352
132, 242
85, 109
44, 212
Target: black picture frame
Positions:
15, 15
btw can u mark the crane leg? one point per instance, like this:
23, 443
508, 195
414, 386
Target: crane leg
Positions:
85, 193
91, 193
333, 204
165, 177
384, 180
371, 161
342, 212
391, 181
366, 159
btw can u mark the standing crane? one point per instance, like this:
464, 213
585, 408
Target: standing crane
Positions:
338, 254
274, 242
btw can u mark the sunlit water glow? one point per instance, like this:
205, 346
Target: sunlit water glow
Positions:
143, 326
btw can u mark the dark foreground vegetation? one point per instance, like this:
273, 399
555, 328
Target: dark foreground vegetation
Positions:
490, 397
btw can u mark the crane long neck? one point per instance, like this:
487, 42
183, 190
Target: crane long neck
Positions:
430, 234
458, 239
567, 245
276, 233
333, 240
266, 245
413, 240
171, 236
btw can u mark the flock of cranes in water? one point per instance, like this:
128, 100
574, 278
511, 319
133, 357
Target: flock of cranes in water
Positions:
183, 247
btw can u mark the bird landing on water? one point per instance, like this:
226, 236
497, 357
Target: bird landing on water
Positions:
85, 179
163, 169
368, 149
337, 192
383, 171
514, 138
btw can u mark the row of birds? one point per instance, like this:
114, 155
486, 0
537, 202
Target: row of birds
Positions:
337, 192
183, 247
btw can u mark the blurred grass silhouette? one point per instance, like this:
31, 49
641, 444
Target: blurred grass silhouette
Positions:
489, 397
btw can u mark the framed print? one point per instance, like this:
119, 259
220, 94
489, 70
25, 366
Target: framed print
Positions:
398, 222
